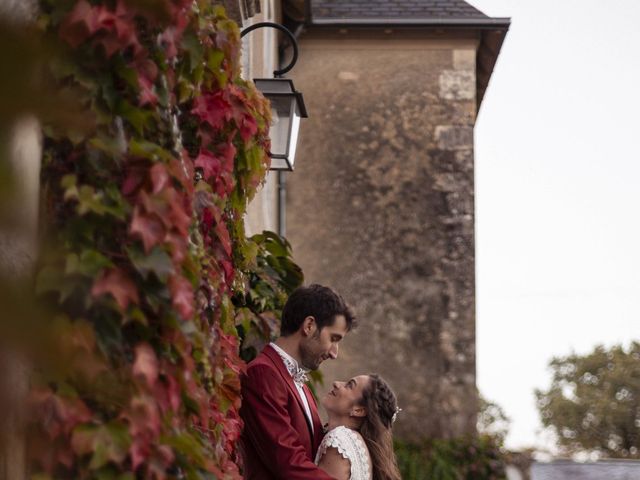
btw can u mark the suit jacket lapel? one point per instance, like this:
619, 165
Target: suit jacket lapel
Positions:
277, 361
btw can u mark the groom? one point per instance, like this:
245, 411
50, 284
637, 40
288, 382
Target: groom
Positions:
282, 429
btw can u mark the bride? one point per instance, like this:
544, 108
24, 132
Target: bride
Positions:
358, 444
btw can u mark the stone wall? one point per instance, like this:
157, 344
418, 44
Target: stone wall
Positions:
381, 207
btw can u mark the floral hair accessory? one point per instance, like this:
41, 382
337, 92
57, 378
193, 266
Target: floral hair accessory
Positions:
393, 419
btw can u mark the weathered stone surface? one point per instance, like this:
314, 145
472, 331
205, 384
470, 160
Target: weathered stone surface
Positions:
454, 137
381, 208
457, 85
464, 59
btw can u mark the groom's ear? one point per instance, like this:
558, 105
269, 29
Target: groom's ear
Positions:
358, 411
309, 326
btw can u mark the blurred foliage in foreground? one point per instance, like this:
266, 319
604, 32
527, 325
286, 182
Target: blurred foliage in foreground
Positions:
473, 458
459, 459
593, 403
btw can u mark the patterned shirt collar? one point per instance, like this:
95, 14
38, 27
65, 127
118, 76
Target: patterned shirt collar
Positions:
299, 374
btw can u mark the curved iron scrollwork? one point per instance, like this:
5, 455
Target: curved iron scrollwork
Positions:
286, 31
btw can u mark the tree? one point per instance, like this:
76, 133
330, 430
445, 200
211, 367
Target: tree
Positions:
492, 421
593, 403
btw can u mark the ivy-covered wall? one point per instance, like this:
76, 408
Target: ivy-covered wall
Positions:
146, 274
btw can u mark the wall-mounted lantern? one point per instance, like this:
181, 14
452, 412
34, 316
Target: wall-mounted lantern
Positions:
287, 106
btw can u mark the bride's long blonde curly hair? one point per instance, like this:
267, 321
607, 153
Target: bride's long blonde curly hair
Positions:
381, 406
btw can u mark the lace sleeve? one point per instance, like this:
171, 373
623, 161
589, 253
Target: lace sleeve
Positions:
350, 446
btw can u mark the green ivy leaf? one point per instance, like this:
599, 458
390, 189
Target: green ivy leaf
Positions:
147, 149
215, 59
187, 445
137, 117
50, 279
89, 263
157, 262
193, 47
107, 144
137, 315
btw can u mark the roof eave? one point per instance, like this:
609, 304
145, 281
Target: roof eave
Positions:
414, 22
491, 41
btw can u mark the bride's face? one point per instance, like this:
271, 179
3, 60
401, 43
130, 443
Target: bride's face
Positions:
344, 396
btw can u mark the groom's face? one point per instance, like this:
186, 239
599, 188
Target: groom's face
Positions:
323, 344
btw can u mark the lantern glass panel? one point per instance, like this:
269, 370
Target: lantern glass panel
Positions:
281, 109
295, 129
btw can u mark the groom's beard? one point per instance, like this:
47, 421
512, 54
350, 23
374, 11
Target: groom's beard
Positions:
311, 353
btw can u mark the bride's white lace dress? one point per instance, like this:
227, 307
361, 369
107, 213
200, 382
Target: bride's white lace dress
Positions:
352, 447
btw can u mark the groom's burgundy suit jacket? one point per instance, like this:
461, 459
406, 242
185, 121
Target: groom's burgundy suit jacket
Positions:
277, 441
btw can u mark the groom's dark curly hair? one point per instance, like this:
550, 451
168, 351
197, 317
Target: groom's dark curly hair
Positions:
317, 301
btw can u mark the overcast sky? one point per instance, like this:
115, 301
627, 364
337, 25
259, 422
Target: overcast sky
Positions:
558, 195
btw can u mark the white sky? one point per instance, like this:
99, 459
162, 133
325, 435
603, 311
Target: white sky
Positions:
558, 174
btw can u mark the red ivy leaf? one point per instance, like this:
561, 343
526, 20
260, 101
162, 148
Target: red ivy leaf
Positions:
183, 171
171, 36
227, 152
178, 217
213, 109
210, 164
135, 177
178, 244
147, 93
86, 20
228, 271
146, 363
159, 177
147, 73
182, 295
144, 427
62, 414
225, 239
79, 24
148, 227
116, 282
248, 127
167, 393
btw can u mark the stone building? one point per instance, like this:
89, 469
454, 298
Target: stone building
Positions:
381, 204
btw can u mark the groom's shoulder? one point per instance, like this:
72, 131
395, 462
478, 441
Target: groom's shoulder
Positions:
262, 373
262, 362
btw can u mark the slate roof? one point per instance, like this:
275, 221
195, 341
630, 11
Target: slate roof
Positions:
568, 470
384, 10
